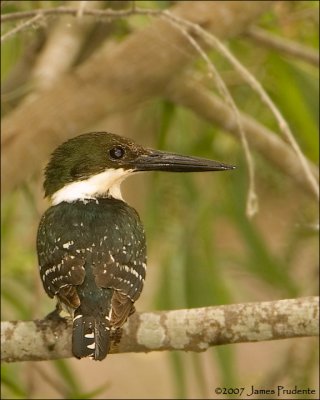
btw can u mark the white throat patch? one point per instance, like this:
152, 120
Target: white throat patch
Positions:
106, 183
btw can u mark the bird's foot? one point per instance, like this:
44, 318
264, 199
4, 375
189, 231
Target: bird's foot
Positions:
116, 336
55, 314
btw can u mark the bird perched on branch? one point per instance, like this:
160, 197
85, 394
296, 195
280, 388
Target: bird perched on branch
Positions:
91, 244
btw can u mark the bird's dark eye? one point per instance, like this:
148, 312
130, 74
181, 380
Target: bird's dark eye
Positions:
116, 152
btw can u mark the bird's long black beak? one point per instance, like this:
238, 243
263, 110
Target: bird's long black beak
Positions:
156, 160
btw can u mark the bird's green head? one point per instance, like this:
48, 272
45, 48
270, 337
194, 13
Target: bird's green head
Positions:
94, 164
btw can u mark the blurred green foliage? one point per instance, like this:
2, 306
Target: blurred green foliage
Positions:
189, 218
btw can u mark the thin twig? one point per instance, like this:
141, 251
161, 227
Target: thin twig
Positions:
108, 13
284, 45
211, 40
82, 6
257, 87
21, 27
190, 91
252, 199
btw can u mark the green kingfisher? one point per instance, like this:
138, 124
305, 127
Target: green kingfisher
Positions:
91, 244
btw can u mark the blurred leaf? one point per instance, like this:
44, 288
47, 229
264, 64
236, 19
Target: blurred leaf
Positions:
8, 207
20, 305
168, 113
10, 53
68, 377
12, 384
199, 373
296, 93
91, 394
178, 366
260, 260
226, 363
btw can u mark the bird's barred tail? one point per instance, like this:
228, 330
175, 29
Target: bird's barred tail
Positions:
90, 335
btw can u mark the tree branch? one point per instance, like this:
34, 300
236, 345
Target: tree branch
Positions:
187, 330
21, 27
112, 81
252, 198
62, 47
58, 11
191, 93
283, 45
264, 97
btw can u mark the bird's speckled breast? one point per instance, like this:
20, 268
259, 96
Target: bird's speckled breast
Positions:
105, 233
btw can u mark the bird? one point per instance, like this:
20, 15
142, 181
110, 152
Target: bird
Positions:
91, 244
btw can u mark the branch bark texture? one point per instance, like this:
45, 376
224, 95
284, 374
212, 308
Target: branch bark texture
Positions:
187, 330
